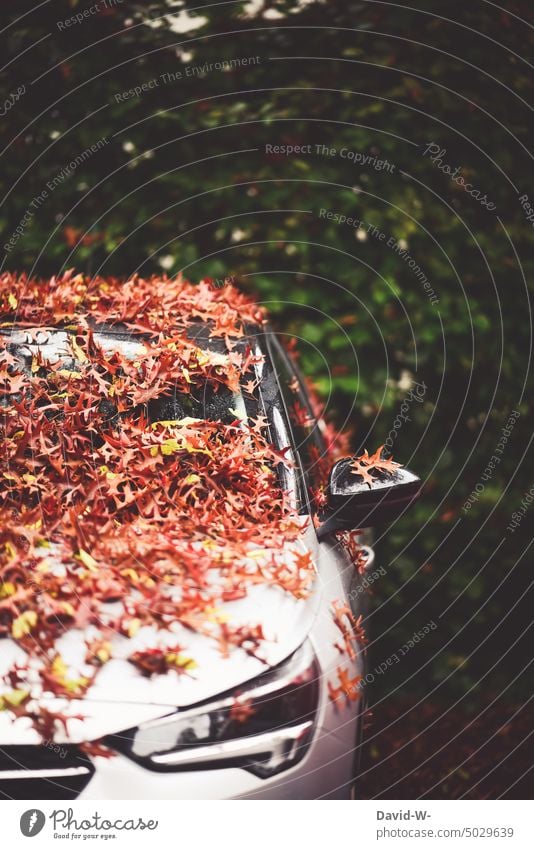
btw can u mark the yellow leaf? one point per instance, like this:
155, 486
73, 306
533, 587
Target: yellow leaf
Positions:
103, 654
59, 667
87, 560
190, 479
170, 446
215, 614
78, 353
16, 697
76, 685
7, 589
192, 450
12, 301
23, 624
181, 661
133, 627
11, 551
257, 554
66, 373
132, 574
165, 423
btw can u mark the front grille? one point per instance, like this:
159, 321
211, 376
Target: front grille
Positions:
43, 772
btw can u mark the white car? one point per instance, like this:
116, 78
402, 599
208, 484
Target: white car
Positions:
281, 723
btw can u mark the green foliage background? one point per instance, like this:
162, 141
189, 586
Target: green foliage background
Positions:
184, 182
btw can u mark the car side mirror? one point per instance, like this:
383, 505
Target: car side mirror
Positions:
353, 502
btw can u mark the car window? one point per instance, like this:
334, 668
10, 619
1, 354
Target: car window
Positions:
304, 426
211, 402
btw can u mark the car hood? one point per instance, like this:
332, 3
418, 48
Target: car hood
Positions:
121, 696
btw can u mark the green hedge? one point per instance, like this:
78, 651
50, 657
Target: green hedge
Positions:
181, 174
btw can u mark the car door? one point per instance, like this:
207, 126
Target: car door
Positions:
352, 550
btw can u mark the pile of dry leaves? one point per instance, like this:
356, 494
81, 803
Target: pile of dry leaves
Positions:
100, 504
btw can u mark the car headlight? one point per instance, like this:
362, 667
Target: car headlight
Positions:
264, 726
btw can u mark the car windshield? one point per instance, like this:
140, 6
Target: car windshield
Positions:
211, 402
